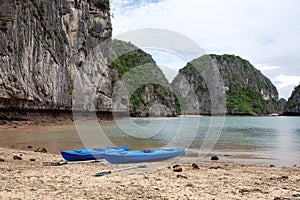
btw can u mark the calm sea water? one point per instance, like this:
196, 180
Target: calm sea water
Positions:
259, 140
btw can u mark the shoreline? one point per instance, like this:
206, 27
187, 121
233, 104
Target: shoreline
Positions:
27, 178
33, 130
39, 119
42, 115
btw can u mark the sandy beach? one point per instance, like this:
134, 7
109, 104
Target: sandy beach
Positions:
23, 176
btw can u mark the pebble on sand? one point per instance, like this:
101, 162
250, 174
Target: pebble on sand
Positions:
41, 150
177, 168
17, 158
195, 166
214, 158
181, 176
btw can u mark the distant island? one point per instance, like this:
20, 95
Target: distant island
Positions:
248, 91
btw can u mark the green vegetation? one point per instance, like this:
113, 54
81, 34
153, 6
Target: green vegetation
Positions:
41, 11
128, 61
241, 99
70, 90
93, 33
136, 99
125, 57
246, 86
38, 9
177, 106
56, 32
296, 91
143, 79
294, 99
4, 22
80, 63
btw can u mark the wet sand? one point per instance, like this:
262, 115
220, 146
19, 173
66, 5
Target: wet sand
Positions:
39, 134
29, 179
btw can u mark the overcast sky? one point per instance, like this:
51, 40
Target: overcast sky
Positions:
265, 32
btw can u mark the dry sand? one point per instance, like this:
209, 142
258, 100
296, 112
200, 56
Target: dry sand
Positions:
29, 179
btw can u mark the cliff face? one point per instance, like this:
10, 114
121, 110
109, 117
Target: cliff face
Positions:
281, 103
292, 107
140, 87
44, 45
247, 90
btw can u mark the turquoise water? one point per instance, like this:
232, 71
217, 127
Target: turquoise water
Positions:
259, 140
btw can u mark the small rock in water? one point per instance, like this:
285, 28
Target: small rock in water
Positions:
214, 158
195, 166
272, 165
29, 147
32, 159
2, 160
177, 168
41, 150
17, 158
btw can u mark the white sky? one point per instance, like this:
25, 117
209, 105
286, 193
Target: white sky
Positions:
265, 32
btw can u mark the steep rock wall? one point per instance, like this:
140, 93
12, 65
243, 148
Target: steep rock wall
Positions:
292, 106
43, 48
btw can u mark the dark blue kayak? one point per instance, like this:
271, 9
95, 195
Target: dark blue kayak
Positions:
89, 154
134, 156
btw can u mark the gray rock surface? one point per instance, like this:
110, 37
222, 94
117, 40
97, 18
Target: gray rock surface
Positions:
214, 84
292, 106
46, 45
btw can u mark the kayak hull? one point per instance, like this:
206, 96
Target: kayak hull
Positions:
89, 154
135, 156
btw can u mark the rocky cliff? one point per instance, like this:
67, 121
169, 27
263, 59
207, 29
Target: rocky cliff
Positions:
292, 107
44, 46
246, 90
281, 103
140, 86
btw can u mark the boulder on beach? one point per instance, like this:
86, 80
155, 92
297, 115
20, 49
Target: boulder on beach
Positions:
214, 158
177, 168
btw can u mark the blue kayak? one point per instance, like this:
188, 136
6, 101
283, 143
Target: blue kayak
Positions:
134, 156
89, 154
